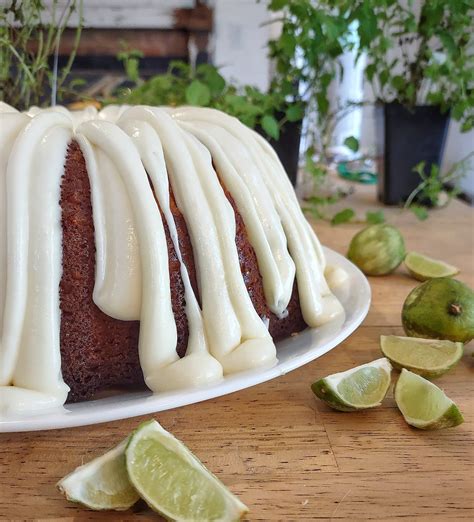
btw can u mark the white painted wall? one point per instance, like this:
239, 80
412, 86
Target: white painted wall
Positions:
239, 41
459, 145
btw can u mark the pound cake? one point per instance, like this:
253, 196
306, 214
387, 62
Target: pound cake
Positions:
144, 246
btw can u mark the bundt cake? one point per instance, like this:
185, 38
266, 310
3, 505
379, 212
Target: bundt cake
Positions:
145, 246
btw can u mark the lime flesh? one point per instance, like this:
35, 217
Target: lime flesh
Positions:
359, 388
423, 267
440, 309
427, 357
173, 481
424, 405
102, 483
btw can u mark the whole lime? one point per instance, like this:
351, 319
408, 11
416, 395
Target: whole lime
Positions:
377, 249
440, 309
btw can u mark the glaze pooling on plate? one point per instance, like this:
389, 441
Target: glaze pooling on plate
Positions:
125, 150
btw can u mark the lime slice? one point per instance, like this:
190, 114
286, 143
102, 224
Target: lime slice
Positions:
424, 405
356, 389
427, 357
173, 481
423, 267
102, 483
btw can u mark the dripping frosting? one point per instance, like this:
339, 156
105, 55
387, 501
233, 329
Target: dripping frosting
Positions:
134, 155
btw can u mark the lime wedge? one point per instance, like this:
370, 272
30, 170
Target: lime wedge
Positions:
424, 405
356, 389
102, 483
173, 481
423, 267
429, 358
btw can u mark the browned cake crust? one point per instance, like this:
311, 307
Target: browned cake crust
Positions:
99, 352
176, 282
279, 328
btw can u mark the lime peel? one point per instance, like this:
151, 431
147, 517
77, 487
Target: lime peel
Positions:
377, 249
422, 267
173, 482
424, 405
359, 388
441, 308
429, 358
101, 483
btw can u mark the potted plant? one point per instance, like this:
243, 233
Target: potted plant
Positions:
420, 64
307, 59
28, 44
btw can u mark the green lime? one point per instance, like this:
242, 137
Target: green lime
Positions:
423, 267
427, 357
440, 309
173, 481
361, 387
377, 249
424, 405
102, 483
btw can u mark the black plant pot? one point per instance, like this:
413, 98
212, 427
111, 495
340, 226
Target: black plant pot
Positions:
287, 146
410, 136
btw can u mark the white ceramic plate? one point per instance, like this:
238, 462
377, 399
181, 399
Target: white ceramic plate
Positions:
292, 353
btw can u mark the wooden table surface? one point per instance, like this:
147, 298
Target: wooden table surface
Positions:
287, 455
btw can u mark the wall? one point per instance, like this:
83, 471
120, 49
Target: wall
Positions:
239, 41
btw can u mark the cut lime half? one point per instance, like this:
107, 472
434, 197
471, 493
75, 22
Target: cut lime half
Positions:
356, 389
102, 483
423, 404
173, 481
423, 267
429, 358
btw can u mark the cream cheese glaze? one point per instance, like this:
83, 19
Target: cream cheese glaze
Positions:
126, 149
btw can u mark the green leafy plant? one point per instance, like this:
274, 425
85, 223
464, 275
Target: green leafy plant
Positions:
27, 45
419, 53
437, 189
131, 60
307, 57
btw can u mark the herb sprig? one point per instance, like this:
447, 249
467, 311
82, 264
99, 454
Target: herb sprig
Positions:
29, 36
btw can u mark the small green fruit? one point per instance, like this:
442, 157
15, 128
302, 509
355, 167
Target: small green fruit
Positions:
440, 309
377, 249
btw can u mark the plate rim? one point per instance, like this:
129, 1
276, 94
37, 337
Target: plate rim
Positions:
142, 403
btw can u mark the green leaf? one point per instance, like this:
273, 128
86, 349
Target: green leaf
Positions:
448, 43
458, 110
420, 212
374, 218
287, 42
270, 126
211, 77
344, 216
370, 71
398, 82
323, 103
295, 112
384, 76
197, 93
276, 5
352, 143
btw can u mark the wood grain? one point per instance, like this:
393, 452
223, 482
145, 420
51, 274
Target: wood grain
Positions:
285, 453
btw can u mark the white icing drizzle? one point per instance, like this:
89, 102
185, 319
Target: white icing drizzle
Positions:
118, 278
236, 335
122, 146
29, 349
262, 222
318, 304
